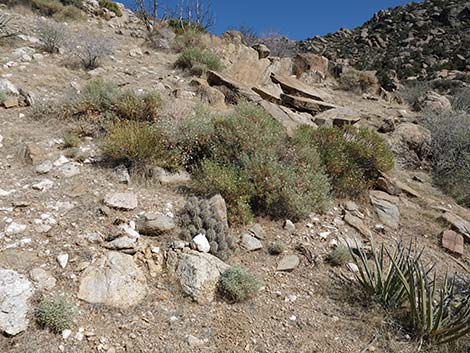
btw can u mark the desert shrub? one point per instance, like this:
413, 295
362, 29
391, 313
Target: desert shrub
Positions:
213, 178
182, 26
277, 248
450, 150
238, 285
189, 39
111, 6
339, 256
51, 34
199, 217
358, 81
249, 35
90, 48
198, 61
135, 143
60, 10
412, 91
130, 106
461, 100
100, 101
3, 97
279, 44
69, 13
251, 163
353, 157
56, 314
76, 3
71, 140
5, 26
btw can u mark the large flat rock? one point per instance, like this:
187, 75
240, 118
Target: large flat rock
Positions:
113, 279
386, 208
295, 87
308, 105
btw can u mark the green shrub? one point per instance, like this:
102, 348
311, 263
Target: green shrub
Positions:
252, 164
450, 150
3, 97
47, 7
238, 285
69, 13
353, 157
190, 38
51, 34
99, 98
71, 140
358, 81
60, 10
277, 248
56, 314
340, 256
199, 217
198, 61
461, 100
182, 26
139, 143
111, 6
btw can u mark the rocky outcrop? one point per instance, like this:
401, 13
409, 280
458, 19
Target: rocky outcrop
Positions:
417, 39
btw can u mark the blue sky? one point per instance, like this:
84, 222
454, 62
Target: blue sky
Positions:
298, 19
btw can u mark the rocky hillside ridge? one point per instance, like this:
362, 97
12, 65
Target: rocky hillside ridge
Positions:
73, 227
421, 39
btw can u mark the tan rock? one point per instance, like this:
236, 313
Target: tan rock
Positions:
305, 104
33, 154
309, 62
453, 242
292, 86
11, 102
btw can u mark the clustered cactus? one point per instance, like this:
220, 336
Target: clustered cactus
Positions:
199, 217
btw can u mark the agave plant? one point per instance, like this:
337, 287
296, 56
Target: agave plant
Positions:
436, 314
381, 279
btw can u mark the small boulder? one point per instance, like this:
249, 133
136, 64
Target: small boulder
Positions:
288, 263
15, 291
121, 200
155, 224
453, 242
250, 243
263, 50
201, 243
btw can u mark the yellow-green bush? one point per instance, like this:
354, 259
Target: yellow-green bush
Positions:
198, 61
111, 6
60, 10
352, 156
236, 284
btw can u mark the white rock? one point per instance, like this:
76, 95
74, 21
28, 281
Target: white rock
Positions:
61, 161
42, 278
8, 87
15, 291
201, 242
44, 168
63, 260
352, 267
121, 200
70, 170
131, 233
1, 141
15, 228
44, 185
66, 334
4, 193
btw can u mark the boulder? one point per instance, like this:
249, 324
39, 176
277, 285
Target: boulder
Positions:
155, 224
219, 206
338, 116
8, 88
42, 279
457, 223
357, 224
305, 104
113, 279
15, 291
288, 263
453, 242
233, 89
385, 207
263, 50
309, 62
121, 200
250, 243
294, 87
198, 274
435, 102
411, 143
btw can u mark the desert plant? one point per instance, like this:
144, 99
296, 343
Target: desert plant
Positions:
340, 255
450, 150
139, 144
277, 248
198, 61
358, 81
180, 26
353, 157
199, 217
71, 140
90, 48
381, 280
412, 91
144, 107
5, 26
3, 97
111, 6
238, 285
60, 10
461, 100
190, 38
434, 314
56, 314
51, 34
69, 13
